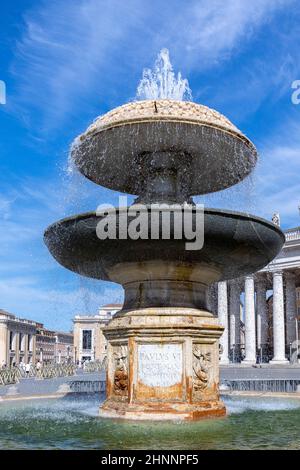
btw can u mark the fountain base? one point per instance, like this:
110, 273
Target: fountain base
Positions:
162, 412
163, 365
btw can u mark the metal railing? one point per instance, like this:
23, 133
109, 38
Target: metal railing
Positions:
263, 385
87, 386
95, 366
12, 375
55, 370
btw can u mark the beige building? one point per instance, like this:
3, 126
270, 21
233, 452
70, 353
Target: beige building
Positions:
63, 350
89, 341
17, 339
26, 341
53, 346
45, 345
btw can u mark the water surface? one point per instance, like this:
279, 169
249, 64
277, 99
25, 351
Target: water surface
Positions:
252, 423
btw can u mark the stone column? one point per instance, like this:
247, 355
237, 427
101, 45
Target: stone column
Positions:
278, 320
234, 318
291, 307
3, 343
212, 299
262, 315
250, 345
223, 319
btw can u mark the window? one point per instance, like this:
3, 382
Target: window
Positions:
11, 338
20, 341
87, 339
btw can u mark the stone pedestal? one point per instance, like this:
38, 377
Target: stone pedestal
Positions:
163, 365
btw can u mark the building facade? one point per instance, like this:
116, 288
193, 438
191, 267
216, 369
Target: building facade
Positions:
271, 313
17, 339
89, 341
63, 349
45, 345
28, 341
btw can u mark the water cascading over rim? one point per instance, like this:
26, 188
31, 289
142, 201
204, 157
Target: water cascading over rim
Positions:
165, 151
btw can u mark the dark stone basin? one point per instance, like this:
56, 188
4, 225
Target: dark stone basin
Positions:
235, 244
114, 157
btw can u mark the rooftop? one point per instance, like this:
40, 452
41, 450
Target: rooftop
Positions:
112, 306
68, 333
7, 314
40, 329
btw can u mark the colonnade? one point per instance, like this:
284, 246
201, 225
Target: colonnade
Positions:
257, 333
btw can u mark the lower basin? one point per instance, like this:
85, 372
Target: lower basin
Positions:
162, 272
235, 244
68, 423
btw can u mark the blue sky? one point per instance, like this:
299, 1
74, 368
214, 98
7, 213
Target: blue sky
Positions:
66, 61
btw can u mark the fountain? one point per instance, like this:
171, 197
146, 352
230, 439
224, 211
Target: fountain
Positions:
163, 350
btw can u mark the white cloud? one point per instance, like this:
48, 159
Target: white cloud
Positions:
74, 50
55, 307
212, 30
32, 283
277, 181
274, 185
65, 50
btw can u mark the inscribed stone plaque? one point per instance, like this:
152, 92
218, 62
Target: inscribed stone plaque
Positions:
160, 365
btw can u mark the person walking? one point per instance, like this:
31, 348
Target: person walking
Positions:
27, 369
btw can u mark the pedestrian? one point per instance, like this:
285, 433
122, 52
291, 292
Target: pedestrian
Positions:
38, 366
27, 369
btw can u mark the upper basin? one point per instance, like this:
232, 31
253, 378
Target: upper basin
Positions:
212, 149
235, 244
